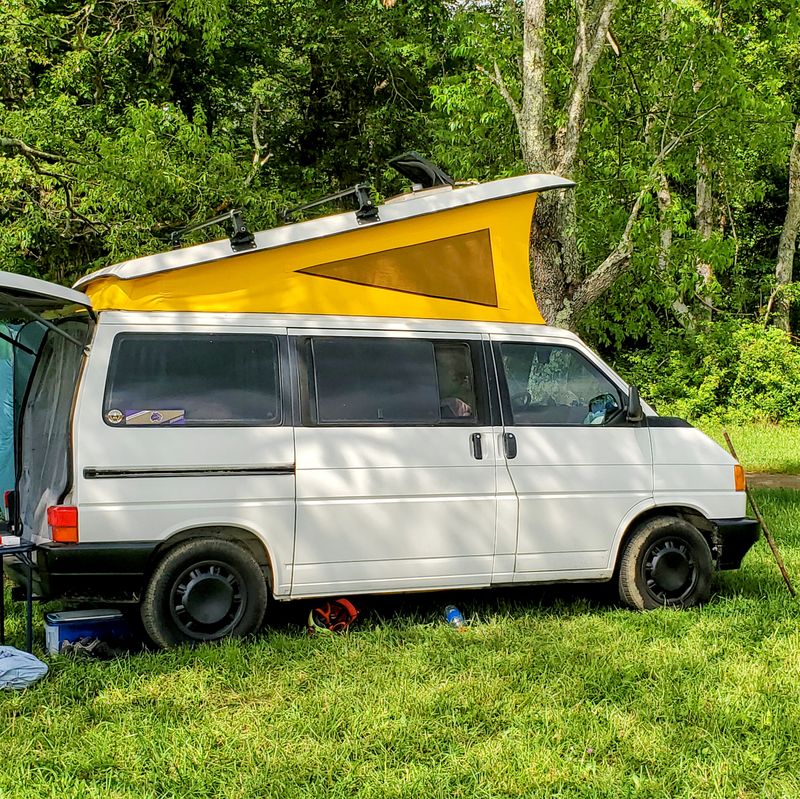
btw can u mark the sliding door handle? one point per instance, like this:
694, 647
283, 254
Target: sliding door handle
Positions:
477, 448
510, 445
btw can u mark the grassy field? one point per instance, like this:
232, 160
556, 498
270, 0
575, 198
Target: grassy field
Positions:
548, 693
762, 447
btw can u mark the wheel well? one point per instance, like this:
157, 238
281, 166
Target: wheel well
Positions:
691, 515
245, 538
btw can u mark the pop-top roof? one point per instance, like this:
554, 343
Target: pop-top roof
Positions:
447, 253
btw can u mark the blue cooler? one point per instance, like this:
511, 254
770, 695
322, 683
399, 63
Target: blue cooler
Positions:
70, 625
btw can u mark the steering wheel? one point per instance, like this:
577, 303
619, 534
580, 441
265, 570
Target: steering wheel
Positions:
522, 400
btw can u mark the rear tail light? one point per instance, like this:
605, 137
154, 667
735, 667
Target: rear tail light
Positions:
738, 477
63, 521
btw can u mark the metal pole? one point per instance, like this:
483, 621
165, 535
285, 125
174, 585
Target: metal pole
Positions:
33, 315
29, 605
767, 534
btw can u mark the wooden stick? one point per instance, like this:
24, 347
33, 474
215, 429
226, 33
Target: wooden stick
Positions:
767, 534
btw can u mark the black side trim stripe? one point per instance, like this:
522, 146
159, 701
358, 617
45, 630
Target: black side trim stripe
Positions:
190, 471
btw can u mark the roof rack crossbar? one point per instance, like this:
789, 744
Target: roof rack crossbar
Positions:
366, 210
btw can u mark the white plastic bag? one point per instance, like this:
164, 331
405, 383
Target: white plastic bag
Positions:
19, 669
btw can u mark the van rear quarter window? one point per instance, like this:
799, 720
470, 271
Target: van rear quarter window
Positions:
192, 380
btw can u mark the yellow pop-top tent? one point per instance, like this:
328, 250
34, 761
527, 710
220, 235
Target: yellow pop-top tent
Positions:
442, 253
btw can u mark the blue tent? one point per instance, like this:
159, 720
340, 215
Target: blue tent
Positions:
6, 410
15, 369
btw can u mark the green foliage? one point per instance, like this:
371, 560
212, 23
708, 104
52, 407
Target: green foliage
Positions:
689, 77
772, 448
149, 116
724, 371
141, 117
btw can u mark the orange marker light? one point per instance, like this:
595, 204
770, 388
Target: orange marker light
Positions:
63, 521
738, 477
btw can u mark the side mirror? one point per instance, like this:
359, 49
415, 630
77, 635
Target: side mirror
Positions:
634, 410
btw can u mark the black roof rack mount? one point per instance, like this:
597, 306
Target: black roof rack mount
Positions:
241, 237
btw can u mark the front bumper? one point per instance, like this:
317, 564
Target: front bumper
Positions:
735, 537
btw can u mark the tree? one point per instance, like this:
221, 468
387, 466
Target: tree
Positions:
787, 245
120, 121
638, 102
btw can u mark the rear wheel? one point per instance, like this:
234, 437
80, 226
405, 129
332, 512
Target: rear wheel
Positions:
666, 563
204, 590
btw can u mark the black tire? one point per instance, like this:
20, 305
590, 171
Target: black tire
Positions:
666, 563
204, 589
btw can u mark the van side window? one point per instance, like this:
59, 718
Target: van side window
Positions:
193, 380
458, 403
406, 381
549, 385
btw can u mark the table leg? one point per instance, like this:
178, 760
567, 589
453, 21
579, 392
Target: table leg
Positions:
29, 606
2, 607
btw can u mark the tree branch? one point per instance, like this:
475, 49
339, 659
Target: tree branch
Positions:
32, 155
500, 85
258, 147
599, 281
674, 95
584, 61
31, 152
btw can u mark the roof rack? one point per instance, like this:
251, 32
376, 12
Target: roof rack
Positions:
241, 238
366, 210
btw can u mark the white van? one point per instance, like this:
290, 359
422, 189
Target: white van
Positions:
202, 463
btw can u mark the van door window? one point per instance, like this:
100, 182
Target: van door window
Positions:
458, 402
391, 381
193, 380
547, 385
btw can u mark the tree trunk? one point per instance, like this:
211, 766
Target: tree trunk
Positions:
547, 256
563, 290
788, 241
555, 263
536, 148
702, 216
665, 245
665, 238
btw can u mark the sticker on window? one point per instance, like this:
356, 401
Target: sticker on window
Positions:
155, 417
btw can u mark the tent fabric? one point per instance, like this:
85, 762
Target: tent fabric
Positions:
6, 411
44, 445
15, 370
466, 262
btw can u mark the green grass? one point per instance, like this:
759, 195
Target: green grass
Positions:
762, 447
549, 692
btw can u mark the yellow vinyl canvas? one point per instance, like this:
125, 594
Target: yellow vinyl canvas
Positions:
469, 262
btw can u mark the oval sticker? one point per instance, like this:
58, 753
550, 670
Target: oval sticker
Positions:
114, 416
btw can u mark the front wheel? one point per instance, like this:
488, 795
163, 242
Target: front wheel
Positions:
666, 563
204, 589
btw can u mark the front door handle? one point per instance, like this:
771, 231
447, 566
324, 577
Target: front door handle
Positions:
477, 448
510, 445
